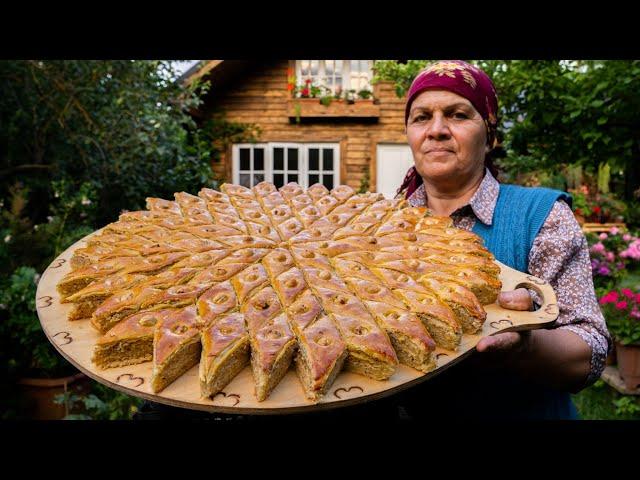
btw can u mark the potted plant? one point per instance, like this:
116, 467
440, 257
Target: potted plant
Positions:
31, 362
365, 94
350, 96
622, 312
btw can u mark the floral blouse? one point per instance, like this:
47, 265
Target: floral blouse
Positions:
559, 255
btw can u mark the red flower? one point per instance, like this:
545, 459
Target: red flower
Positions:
610, 297
307, 81
305, 92
621, 305
596, 209
627, 293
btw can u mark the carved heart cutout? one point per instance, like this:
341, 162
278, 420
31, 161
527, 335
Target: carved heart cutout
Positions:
535, 280
58, 263
45, 301
65, 339
495, 324
337, 391
232, 397
133, 380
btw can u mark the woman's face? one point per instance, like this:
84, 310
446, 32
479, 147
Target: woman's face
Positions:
447, 136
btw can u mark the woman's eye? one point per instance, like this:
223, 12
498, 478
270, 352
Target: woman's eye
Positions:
460, 115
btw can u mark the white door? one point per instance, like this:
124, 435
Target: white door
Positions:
392, 163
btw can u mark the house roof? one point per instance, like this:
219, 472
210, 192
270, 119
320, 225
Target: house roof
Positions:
198, 70
218, 72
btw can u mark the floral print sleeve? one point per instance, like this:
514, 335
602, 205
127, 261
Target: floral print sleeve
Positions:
560, 255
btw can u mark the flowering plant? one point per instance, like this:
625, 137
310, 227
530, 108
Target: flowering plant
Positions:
612, 254
596, 207
291, 80
309, 90
622, 312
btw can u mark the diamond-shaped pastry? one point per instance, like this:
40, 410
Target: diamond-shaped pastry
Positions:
326, 280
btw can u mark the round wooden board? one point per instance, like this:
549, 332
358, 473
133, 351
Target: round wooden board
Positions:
75, 340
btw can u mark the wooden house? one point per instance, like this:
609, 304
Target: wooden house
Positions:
344, 135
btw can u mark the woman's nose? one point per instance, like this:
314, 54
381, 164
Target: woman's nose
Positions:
438, 127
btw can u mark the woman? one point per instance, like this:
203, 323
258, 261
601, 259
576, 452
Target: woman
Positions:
451, 125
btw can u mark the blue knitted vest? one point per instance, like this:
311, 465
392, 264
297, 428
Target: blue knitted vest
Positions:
467, 390
519, 214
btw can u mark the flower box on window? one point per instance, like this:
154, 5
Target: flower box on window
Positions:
312, 108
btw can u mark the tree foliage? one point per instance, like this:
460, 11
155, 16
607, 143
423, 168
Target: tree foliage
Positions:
556, 114
121, 126
81, 141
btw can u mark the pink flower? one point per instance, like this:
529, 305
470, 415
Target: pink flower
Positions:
603, 236
610, 297
614, 231
598, 248
633, 251
604, 270
626, 237
621, 305
638, 297
627, 293
635, 313
609, 256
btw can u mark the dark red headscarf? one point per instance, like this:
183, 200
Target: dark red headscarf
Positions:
465, 80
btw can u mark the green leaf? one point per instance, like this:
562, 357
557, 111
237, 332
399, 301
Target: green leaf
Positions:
77, 416
602, 120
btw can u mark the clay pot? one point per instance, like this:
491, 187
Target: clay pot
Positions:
629, 365
39, 394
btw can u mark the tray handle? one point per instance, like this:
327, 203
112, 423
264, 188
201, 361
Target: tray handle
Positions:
548, 311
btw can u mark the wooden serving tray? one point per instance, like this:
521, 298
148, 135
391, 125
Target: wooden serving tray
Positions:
75, 341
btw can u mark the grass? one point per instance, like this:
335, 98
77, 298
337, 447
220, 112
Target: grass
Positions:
602, 402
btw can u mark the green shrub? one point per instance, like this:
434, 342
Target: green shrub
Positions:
26, 350
102, 403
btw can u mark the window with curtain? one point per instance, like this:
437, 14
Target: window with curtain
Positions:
336, 75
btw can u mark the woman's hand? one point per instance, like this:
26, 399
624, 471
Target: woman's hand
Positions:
536, 354
518, 299
508, 342
512, 342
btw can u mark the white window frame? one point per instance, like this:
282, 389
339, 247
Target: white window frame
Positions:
236, 160
336, 162
346, 75
303, 161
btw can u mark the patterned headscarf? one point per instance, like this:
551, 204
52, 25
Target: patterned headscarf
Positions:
465, 80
